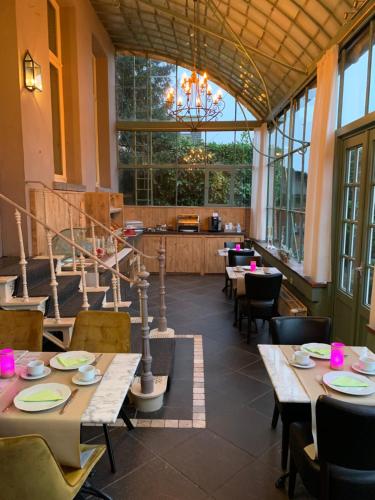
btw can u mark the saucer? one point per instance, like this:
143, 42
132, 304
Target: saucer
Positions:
26, 376
296, 365
76, 379
356, 367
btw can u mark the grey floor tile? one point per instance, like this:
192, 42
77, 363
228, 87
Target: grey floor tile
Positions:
207, 459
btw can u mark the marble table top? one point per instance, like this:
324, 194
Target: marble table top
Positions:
284, 380
109, 396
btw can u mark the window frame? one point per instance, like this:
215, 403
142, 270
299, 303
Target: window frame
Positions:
56, 62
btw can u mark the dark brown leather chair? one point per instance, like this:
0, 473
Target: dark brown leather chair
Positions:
345, 468
295, 330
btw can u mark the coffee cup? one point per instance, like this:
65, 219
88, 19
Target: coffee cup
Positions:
35, 368
301, 358
367, 363
87, 373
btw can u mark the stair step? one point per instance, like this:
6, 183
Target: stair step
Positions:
72, 306
19, 303
137, 320
67, 286
7, 285
37, 271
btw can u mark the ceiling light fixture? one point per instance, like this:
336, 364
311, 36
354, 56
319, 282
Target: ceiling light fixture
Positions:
197, 103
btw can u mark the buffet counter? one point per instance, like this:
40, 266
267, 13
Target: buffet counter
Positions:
187, 252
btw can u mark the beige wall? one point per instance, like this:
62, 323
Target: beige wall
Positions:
25, 120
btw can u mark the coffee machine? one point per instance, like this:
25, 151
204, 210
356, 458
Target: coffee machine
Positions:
214, 223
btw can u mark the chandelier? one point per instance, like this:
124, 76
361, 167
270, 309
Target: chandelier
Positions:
196, 103
196, 156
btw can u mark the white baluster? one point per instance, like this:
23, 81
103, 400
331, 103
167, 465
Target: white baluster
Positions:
72, 238
85, 303
114, 288
138, 263
23, 261
118, 270
54, 284
96, 268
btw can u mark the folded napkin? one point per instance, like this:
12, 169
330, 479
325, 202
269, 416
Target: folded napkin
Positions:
344, 381
68, 362
41, 396
322, 351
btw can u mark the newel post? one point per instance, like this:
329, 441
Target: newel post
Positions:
147, 379
162, 322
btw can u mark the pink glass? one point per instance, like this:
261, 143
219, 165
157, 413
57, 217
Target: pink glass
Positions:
238, 246
253, 265
7, 368
337, 355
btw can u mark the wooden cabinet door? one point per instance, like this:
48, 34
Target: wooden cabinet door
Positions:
150, 247
214, 263
185, 254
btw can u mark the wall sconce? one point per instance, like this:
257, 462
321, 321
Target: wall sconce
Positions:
32, 74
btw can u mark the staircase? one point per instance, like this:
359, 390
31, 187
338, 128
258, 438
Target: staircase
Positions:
39, 291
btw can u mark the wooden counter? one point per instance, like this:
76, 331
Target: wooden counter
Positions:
187, 252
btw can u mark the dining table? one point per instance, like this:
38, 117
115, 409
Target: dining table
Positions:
237, 276
92, 404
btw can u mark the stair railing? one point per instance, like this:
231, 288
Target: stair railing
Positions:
162, 320
147, 379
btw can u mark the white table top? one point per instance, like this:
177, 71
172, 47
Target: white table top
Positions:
285, 382
109, 396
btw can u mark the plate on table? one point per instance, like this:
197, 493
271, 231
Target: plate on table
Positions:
47, 370
368, 388
65, 360
357, 367
76, 379
60, 391
317, 350
297, 365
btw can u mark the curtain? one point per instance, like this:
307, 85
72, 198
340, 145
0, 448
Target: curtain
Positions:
318, 221
259, 186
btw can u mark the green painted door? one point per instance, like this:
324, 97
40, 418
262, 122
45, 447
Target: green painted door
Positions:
356, 239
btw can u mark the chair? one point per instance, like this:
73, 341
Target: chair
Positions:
28, 469
295, 330
241, 258
345, 468
21, 330
260, 301
107, 332
101, 331
228, 284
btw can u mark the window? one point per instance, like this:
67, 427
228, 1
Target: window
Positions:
357, 77
154, 168
57, 109
287, 173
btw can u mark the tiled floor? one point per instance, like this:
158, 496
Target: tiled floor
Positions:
237, 455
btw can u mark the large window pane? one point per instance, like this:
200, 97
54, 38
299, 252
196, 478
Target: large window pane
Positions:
242, 187
222, 146
219, 187
190, 187
164, 186
355, 80
371, 106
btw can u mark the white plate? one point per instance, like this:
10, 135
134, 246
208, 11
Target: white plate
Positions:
47, 370
55, 363
310, 365
356, 367
329, 377
62, 389
316, 345
76, 379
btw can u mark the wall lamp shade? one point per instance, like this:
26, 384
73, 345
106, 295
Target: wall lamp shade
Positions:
32, 74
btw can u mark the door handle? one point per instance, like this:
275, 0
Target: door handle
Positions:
359, 270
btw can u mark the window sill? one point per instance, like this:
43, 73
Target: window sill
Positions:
66, 186
291, 265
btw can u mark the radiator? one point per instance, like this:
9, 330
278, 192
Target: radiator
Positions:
289, 305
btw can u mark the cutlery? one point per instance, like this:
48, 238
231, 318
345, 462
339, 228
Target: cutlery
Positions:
296, 348
319, 379
7, 407
97, 359
68, 401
